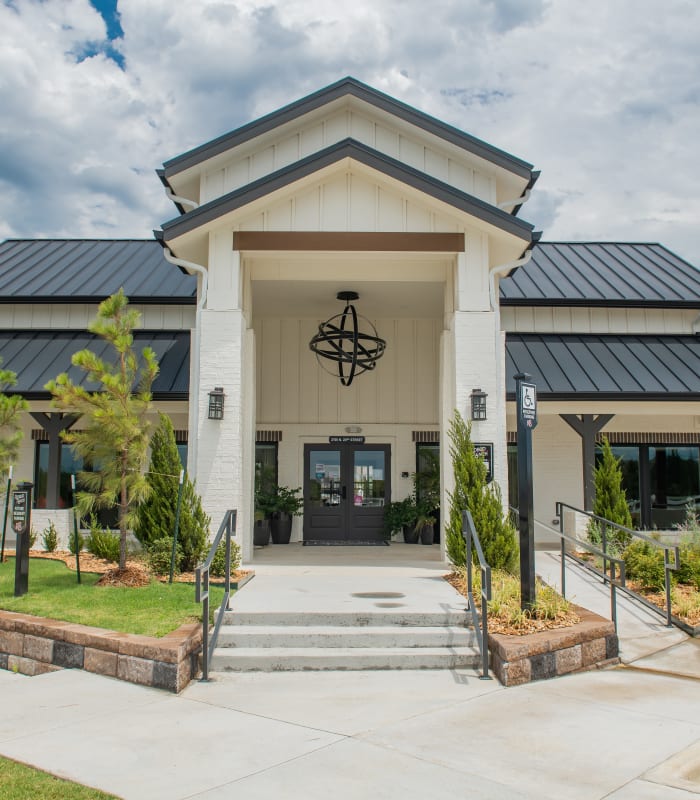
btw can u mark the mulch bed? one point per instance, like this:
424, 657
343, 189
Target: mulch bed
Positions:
528, 625
136, 572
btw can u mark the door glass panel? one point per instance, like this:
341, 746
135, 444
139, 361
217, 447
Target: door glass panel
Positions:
324, 478
368, 478
628, 456
675, 484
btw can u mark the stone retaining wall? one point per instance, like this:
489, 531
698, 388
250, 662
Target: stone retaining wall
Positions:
34, 645
590, 644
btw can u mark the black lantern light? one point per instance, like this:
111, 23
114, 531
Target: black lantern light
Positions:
478, 404
339, 340
216, 403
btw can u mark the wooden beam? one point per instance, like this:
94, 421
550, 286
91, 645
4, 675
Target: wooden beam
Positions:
588, 426
348, 241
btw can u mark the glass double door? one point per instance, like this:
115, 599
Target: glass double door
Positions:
345, 489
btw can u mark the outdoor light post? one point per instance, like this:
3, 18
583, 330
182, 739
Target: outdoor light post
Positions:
526, 394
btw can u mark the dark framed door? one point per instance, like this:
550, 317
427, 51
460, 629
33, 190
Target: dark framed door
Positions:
346, 487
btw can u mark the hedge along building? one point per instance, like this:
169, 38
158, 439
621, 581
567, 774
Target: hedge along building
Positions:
349, 190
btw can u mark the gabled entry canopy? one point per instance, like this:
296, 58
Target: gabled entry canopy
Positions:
348, 109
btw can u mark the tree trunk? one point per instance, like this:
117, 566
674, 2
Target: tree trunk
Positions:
122, 524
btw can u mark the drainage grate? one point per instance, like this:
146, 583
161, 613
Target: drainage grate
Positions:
377, 595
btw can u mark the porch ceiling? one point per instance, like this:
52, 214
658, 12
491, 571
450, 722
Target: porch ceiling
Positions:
378, 299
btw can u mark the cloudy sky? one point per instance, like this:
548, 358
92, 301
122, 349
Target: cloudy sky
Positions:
603, 96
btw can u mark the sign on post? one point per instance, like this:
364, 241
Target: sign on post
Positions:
21, 525
526, 394
528, 404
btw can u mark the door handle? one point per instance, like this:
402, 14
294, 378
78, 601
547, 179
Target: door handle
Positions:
344, 492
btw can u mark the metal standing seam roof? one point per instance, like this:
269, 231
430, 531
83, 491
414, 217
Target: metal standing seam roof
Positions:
347, 148
86, 270
39, 356
606, 367
602, 273
344, 87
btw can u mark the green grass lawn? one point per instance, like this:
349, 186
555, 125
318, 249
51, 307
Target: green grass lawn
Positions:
152, 610
19, 782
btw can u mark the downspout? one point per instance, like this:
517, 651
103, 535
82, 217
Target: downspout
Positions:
183, 201
695, 326
518, 202
193, 418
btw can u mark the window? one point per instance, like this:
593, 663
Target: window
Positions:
70, 465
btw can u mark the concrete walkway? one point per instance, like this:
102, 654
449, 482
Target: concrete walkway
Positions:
625, 733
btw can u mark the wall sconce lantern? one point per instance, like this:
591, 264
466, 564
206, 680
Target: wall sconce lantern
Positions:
478, 404
216, 403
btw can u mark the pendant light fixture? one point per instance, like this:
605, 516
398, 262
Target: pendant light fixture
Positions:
340, 341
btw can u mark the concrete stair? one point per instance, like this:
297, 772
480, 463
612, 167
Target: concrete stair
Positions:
276, 641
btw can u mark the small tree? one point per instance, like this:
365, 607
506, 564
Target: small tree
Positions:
156, 515
610, 498
471, 491
11, 406
114, 440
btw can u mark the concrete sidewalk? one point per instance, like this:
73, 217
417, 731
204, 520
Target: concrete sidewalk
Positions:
624, 733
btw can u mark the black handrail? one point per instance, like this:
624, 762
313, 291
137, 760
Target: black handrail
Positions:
201, 589
605, 524
482, 634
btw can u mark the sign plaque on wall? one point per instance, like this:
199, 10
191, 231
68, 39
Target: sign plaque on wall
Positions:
484, 451
346, 440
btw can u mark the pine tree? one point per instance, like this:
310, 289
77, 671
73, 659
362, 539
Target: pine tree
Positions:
610, 497
471, 491
11, 406
114, 438
156, 515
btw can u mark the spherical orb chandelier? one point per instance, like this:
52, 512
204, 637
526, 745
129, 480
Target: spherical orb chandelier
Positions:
340, 341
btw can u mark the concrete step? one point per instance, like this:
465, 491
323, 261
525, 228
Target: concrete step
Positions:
276, 659
299, 636
353, 619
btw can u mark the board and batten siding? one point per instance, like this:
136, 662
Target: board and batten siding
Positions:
77, 316
293, 388
568, 319
255, 160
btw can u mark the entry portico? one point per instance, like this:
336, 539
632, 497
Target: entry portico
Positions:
346, 190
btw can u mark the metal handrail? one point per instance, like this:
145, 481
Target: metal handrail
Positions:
482, 634
201, 589
668, 565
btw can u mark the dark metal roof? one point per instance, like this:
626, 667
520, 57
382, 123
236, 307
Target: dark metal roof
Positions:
603, 273
353, 87
39, 356
88, 270
606, 367
348, 148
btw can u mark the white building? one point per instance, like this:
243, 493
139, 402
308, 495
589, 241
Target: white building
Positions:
349, 190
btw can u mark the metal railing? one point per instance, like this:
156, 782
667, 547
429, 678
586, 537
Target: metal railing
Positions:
201, 589
605, 526
482, 633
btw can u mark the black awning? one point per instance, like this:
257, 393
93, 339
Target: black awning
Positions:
606, 367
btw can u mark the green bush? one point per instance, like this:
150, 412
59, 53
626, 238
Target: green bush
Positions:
218, 563
496, 532
610, 502
50, 537
159, 556
71, 542
689, 571
32, 538
102, 543
645, 564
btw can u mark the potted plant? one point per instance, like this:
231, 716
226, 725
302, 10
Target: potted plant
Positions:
284, 504
424, 525
264, 493
402, 515
426, 481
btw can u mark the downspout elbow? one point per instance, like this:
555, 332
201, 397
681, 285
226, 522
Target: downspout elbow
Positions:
518, 202
504, 269
190, 265
176, 198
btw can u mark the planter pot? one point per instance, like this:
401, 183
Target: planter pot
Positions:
410, 535
261, 532
281, 528
427, 534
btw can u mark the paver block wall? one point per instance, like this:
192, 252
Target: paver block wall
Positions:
34, 645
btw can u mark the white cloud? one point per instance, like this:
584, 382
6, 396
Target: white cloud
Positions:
603, 97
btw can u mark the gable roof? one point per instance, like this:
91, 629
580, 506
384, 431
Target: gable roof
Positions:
602, 273
88, 270
606, 367
347, 148
347, 87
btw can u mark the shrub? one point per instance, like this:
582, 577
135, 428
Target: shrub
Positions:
159, 556
156, 515
645, 564
218, 563
71, 542
610, 501
102, 543
50, 537
689, 571
471, 491
32, 538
